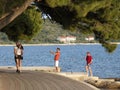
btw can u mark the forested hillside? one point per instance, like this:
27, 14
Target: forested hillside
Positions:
49, 34
52, 30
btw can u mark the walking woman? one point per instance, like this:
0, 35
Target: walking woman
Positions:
19, 57
15, 54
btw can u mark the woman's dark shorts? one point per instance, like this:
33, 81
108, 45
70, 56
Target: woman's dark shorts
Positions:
20, 57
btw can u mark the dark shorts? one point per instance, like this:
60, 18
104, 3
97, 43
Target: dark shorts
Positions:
88, 64
20, 57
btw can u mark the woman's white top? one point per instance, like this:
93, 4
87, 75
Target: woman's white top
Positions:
19, 52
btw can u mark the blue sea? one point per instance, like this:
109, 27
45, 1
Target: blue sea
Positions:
105, 65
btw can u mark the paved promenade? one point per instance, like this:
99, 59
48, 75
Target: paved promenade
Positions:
38, 80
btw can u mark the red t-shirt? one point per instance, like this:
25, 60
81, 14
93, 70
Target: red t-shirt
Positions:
57, 56
88, 59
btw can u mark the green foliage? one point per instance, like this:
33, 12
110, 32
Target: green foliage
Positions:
84, 7
100, 17
56, 3
109, 47
25, 26
4, 39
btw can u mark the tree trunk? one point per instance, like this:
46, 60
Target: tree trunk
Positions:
9, 17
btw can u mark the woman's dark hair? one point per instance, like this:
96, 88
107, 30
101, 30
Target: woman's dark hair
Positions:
22, 47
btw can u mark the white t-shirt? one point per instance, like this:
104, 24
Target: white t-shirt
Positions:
19, 51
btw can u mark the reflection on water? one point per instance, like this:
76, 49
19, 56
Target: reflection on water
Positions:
72, 58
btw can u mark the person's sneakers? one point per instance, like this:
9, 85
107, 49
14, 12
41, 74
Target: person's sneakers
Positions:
17, 70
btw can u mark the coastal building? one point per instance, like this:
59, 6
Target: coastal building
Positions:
90, 38
66, 39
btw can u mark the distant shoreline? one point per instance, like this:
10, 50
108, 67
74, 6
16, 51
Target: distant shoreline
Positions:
58, 44
51, 44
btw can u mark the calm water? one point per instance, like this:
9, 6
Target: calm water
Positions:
72, 58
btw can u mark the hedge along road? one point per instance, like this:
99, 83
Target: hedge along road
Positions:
35, 80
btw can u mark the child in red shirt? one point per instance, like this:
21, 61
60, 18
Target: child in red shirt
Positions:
88, 63
56, 58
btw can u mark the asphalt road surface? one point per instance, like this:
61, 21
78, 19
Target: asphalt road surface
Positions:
36, 80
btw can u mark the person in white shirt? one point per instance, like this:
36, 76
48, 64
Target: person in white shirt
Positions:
15, 54
18, 52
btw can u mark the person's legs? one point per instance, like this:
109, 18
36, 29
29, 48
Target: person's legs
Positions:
87, 69
20, 64
17, 64
91, 74
56, 69
56, 65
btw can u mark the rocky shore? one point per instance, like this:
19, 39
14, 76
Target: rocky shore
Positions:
102, 84
112, 84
